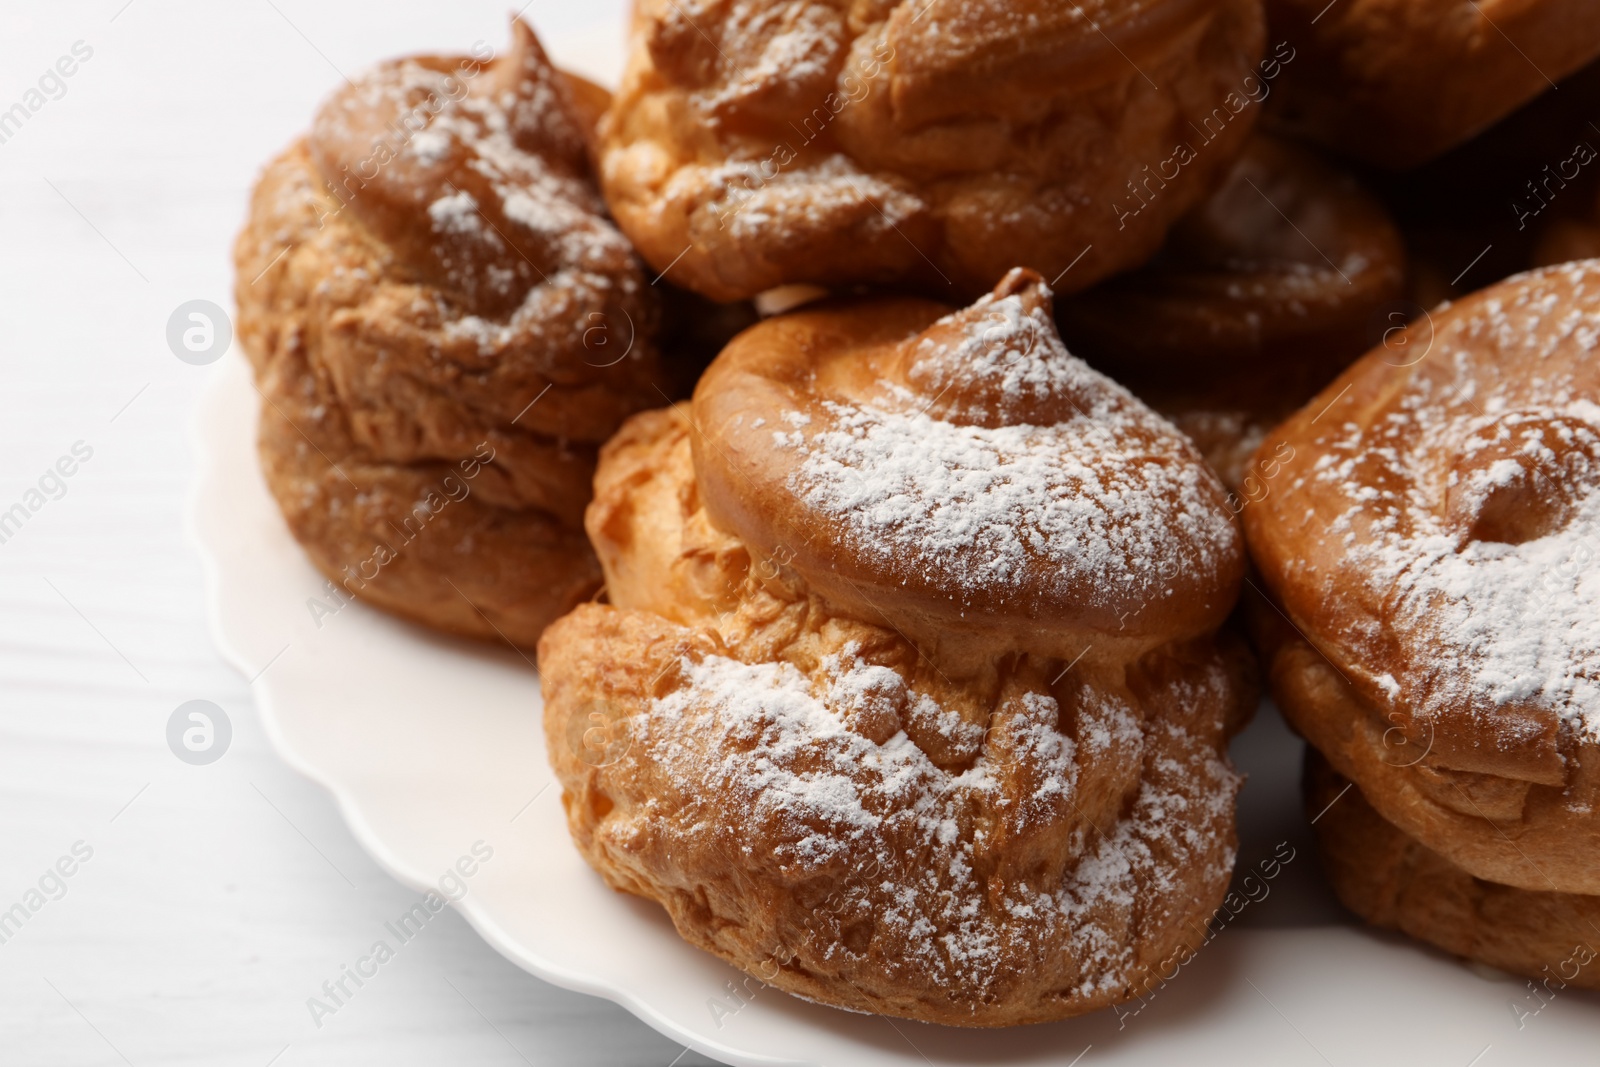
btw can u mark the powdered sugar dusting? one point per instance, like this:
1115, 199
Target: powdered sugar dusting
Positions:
1010, 347
1473, 510
756, 203
494, 152
1109, 498
1523, 620
757, 49
457, 213
790, 752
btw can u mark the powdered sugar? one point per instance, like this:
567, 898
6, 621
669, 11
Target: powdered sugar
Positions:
1108, 499
757, 200
758, 50
1499, 585
1522, 622
1005, 360
495, 153
457, 213
429, 146
790, 754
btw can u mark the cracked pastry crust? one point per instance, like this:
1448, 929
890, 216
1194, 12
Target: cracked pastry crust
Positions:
444, 328
1431, 544
983, 810
1398, 82
930, 143
1392, 880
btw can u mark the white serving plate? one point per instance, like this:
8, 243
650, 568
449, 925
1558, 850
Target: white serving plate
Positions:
431, 745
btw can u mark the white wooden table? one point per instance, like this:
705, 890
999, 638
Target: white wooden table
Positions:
217, 899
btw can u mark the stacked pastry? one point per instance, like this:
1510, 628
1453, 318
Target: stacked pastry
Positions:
445, 327
891, 664
1436, 636
912, 636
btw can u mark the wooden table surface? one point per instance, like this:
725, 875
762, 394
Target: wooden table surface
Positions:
208, 909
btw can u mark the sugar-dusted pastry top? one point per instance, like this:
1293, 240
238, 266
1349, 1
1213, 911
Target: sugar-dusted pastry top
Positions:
428, 285
963, 468
474, 173
1437, 530
439, 243
938, 143
983, 829
1432, 542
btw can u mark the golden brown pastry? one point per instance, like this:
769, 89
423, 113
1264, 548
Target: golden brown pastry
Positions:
908, 698
1431, 546
1287, 258
1259, 297
1391, 880
444, 327
1397, 82
931, 143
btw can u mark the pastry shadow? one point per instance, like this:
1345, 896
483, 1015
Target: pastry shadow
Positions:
1195, 993
1277, 880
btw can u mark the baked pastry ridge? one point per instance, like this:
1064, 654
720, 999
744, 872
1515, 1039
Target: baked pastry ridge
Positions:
932, 143
979, 798
1431, 548
444, 327
1394, 881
